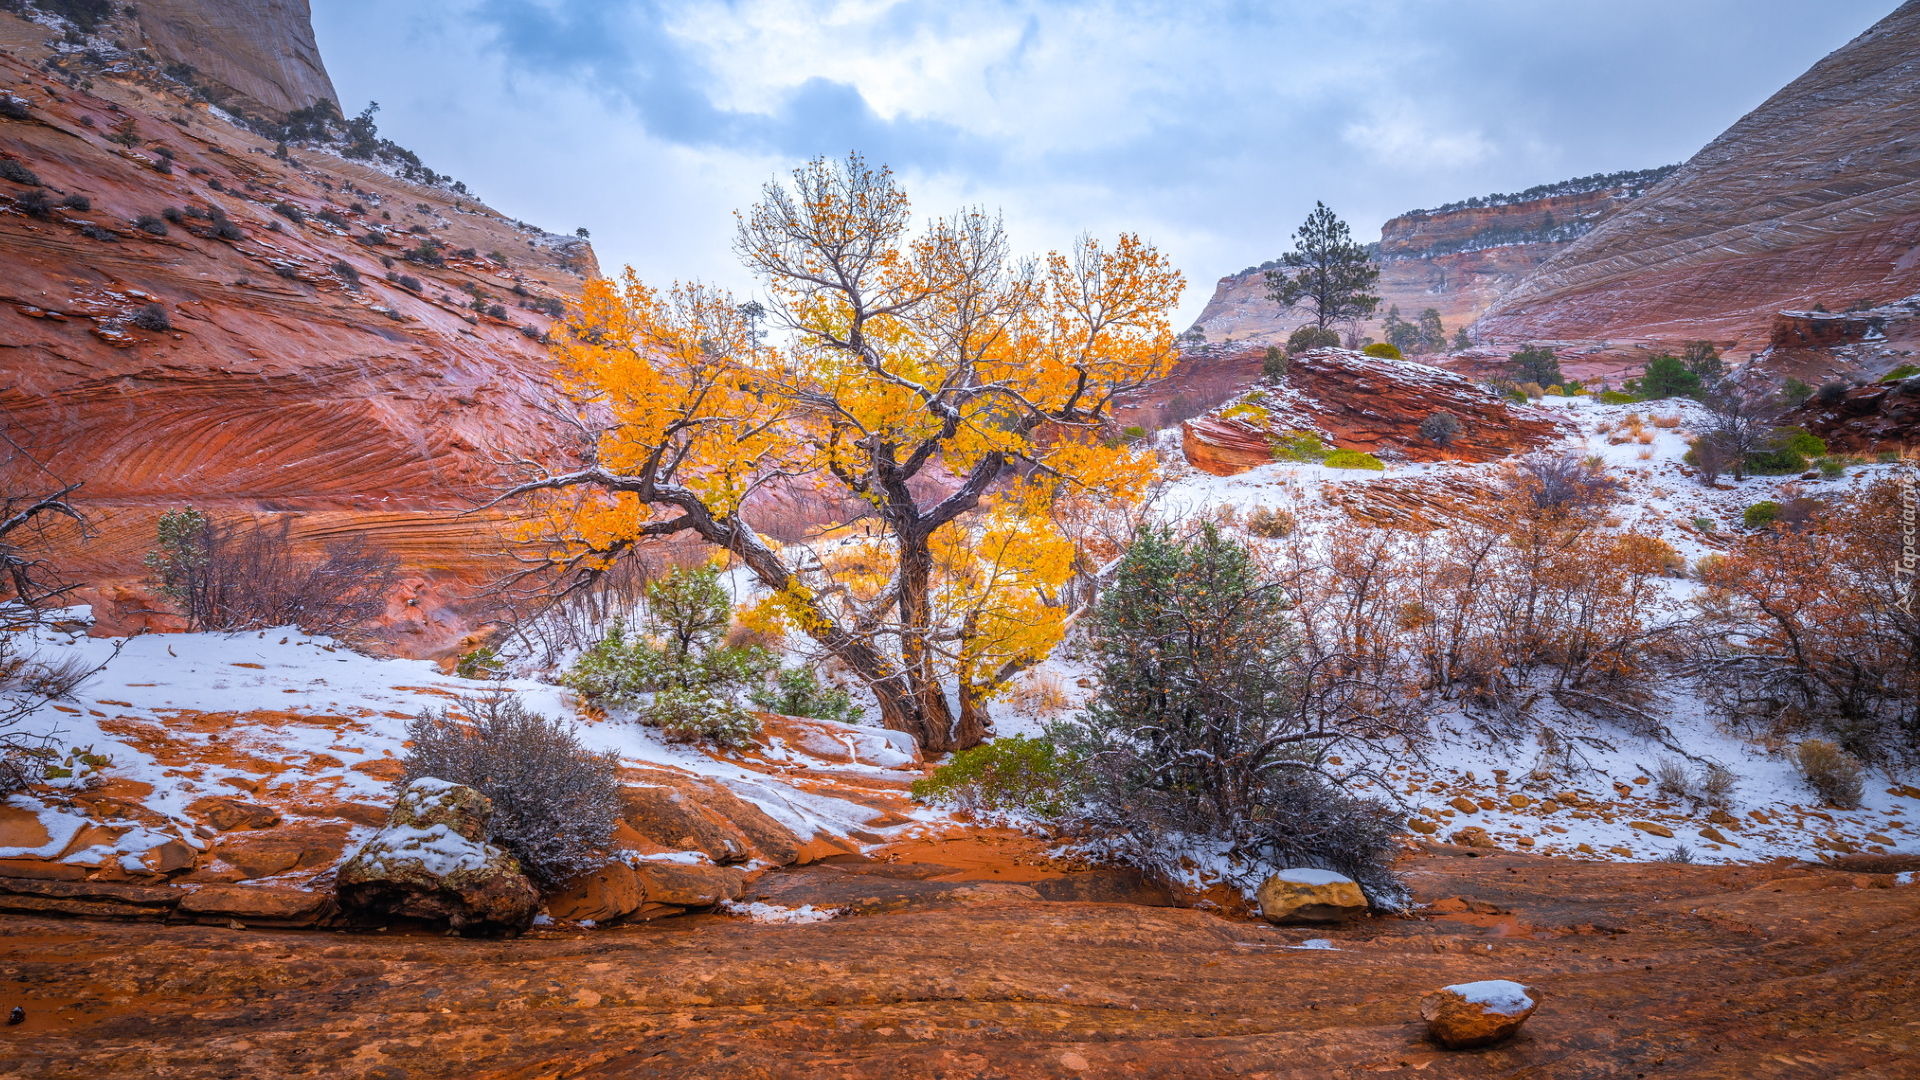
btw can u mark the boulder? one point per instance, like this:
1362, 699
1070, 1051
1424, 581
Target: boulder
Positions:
432, 861
687, 885
1306, 895
672, 811
604, 895
1473, 1014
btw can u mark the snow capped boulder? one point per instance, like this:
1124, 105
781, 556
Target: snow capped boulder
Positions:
1306, 895
1478, 1013
432, 861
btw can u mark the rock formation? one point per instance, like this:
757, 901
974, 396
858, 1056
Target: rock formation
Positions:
1365, 403
1814, 197
433, 861
1306, 895
256, 55
1482, 1013
185, 318
1456, 259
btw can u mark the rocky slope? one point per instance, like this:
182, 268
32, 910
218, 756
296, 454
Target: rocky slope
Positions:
1814, 197
1456, 259
1364, 403
185, 318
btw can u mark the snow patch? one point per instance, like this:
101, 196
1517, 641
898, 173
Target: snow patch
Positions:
1495, 995
774, 913
1302, 875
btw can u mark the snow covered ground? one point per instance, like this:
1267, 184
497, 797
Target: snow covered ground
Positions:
180, 717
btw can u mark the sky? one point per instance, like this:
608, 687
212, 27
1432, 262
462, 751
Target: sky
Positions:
1209, 128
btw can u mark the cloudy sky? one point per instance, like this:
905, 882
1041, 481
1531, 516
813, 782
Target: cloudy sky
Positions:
1211, 128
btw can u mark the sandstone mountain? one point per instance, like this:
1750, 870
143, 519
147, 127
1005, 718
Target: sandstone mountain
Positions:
1812, 198
186, 318
1457, 259
257, 54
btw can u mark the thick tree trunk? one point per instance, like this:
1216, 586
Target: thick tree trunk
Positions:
971, 731
932, 722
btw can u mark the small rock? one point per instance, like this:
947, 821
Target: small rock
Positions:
1721, 817
1716, 836
1650, 827
1464, 805
1549, 806
1467, 1015
17, 1016
1421, 825
1621, 850
1474, 836
689, 886
1304, 895
1585, 849
1519, 802
230, 814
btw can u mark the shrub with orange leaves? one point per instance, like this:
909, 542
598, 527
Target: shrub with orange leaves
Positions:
962, 394
1815, 626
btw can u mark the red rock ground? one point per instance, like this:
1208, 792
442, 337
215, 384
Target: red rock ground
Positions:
1646, 970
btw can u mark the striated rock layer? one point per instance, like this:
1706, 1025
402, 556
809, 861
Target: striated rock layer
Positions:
287, 377
1363, 403
1814, 197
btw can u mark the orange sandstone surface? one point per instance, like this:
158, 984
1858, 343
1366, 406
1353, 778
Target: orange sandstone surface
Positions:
284, 387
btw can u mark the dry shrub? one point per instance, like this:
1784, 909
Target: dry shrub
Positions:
1670, 779
1038, 695
233, 577
1806, 627
554, 802
1830, 771
1666, 422
1270, 522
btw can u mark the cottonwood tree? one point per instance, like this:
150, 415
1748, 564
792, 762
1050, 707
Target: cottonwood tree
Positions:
1327, 270
958, 392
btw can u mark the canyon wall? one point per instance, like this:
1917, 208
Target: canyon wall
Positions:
1813, 198
187, 319
258, 55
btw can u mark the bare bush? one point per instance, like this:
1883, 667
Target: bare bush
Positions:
1671, 779
554, 802
229, 577
1716, 785
1830, 771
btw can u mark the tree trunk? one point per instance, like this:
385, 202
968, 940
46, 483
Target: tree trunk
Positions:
932, 723
974, 719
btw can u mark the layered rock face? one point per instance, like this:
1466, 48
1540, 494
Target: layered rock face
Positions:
1456, 260
256, 54
1814, 197
1365, 403
218, 328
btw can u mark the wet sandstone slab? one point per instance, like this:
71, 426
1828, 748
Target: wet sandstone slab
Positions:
1649, 970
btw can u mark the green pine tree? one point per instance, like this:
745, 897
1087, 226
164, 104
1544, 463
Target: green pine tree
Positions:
1331, 272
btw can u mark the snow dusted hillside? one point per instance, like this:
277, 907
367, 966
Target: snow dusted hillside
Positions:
1603, 800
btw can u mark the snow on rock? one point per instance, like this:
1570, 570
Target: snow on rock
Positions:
774, 913
1495, 995
1367, 403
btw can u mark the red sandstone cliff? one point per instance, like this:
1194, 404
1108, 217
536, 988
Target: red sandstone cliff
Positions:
1814, 197
285, 386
